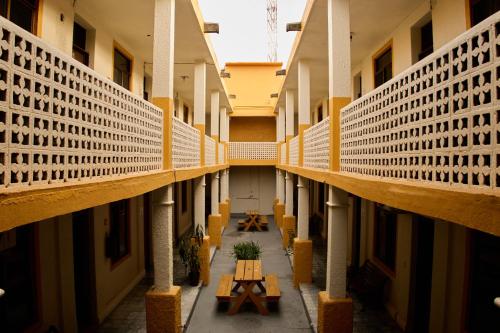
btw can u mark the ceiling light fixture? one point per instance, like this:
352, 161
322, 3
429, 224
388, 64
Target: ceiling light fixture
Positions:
294, 26
281, 72
210, 28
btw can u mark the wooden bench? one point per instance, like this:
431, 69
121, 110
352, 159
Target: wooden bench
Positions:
272, 288
224, 290
369, 283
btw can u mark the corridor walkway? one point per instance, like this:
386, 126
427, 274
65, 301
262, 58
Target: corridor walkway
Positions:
288, 316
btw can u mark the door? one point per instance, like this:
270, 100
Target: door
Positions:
84, 268
484, 285
19, 279
421, 275
356, 233
244, 189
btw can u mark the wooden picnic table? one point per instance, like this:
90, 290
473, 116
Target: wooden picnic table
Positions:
249, 275
253, 220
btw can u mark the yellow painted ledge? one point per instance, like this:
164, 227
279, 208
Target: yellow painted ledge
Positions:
471, 209
19, 206
252, 162
22, 207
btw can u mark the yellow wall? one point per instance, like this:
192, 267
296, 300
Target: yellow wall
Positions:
113, 284
252, 129
184, 221
253, 84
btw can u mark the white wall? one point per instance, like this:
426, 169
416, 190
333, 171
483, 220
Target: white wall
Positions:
252, 187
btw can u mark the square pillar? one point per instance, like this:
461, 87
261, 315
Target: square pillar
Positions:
279, 211
288, 230
204, 255
215, 230
163, 310
302, 261
334, 314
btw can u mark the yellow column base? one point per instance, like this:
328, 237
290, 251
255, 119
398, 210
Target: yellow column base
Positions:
302, 261
288, 229
228, 210
224, 213
334, 314
279, 211
215, 230
204, 254
163, 311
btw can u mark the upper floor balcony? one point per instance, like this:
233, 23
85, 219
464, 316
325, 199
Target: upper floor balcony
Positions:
435, 124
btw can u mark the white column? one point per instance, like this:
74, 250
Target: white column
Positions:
214, 113
289, 123
281, 124
223, 186
281, 186
227, 184
339, 49
162, 238
303, 209
324, 107
289, 194
337, 243
200, 85
223, 129
199, 201
163, 49
215, 193
304, 92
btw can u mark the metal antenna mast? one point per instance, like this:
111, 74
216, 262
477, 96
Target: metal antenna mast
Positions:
272, 30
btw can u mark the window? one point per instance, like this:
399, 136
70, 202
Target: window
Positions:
382, 65
321, 198
79, 44
482, 9
426, 42
21, 12
320, 113
122, 68
385, 237
357, 85
186, 114
118, 241
184, 194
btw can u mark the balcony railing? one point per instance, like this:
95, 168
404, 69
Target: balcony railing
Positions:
209, 150
317, 145
185, 145
294, 151
437, 122
62, 122
252, 151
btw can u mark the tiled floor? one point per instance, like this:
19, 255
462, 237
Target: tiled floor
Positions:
130, 315
365, 320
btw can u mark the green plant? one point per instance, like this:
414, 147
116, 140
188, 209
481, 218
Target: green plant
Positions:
198, 234
291, 237
189, 247
247, 251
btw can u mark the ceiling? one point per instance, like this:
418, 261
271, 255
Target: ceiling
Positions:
131, 22
370, 24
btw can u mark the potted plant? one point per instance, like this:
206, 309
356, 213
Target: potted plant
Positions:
247, 251
189, 248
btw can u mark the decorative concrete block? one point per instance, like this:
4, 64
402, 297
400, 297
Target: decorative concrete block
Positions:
163, 311
334, 314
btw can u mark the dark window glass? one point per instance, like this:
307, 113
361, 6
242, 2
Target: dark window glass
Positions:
20, 12
482, 9
426, 42
119, 234
79, 44
184, 196
385, 237
122, 68
383, 68
186, 113
321, 198
18, 306
320, 113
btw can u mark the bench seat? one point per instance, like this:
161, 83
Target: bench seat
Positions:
273, 293
225, 286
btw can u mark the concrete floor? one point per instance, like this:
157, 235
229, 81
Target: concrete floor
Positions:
288, 316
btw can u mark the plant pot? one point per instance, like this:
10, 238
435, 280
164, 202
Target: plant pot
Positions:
194, 278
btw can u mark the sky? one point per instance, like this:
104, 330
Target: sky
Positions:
243, 28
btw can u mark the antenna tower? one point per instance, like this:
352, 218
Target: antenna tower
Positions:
272, 30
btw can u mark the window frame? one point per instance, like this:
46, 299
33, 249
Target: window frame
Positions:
36, 18
120, 49
78, 48
115, 262
386, 269
386, 47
